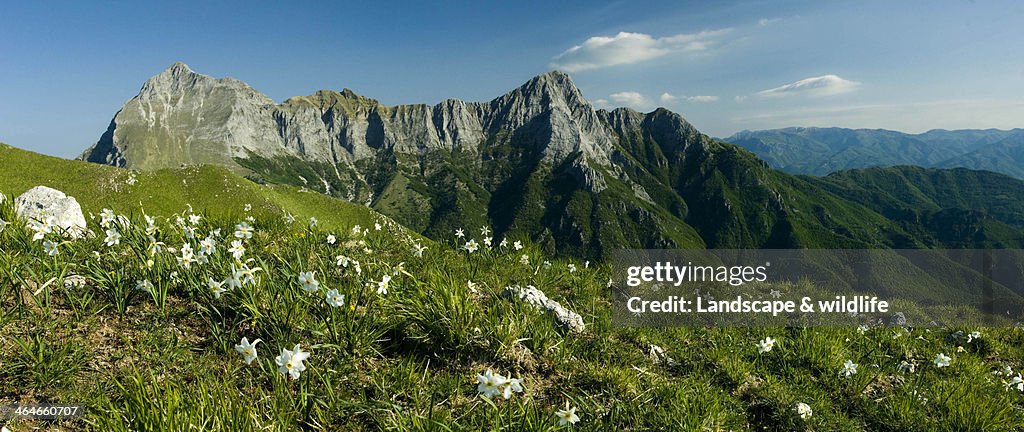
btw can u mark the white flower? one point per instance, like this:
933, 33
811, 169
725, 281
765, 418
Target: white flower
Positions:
243, 230
3, 225
504, 242
50, 248
207, 246
524, 260
484, 230
776, 294
331, 239
308, 282
849, 368
487, 241
42, 227
216, 288
335, 299
489, 384
862, 329
547, 264
472, 286
471, 246
343, 260
1018, 382
518, 245
106, 218
187, 256
144, 285
289, 218
942, 360
973, 335
248, 208
572, 268
1008, 371
382, 286
313, 222
237, 250
567, 415
906, 367
247, 350
194, 219
291, 362
765, 345
113, 237
418, 249
803, 410
460, 233
377, 226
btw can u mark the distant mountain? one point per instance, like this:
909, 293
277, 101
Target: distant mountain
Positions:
539, 161
819, 151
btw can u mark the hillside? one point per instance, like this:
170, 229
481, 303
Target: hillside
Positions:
820, 151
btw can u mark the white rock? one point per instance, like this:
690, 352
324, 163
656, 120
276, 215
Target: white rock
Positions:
41, 202
568, 319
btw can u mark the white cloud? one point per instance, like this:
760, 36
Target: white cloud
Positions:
825, 85
702, 98
631, 99
602, 103
667, 97
768, 21
628, 48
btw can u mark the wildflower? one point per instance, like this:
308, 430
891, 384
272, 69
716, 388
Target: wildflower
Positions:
356, 267
862, 329
216, 288
187, 256
207, 246
377, 226
547, 264
572, 268
382, 286
313, 222
471, 246
504, 243
1017, 382
765, 345
567, 415
3, 224
308, 282
484, 230
132, 180
460, 233
518, 245
237, 250
487, 241
289, 218
189, 231
524, 260
1007, 370
50, 248
906, 367
331, 239
194, 219
234, 280
343, 260
973, 335
42, 227
247, 350
489, 384
803, 410
942, 360
335, 299
418, 249
107, 218
776, 293
248, 208
113, 237
849, 368
290, 362
144, 285
243, 231
472, 286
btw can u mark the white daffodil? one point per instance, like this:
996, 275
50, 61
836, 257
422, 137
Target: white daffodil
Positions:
377, 226
308, 282
331, 239
383, 285
248, 208
489, 384
237, 249
765, 345
107, 218
3, 225
243, 231
216, 288
906, 367
247, 350
335, 299
487, 241
942, 360
356, 267
144, 285
194, 219
547, 264
567, 415
803, 410
472, 286
50, 248
207, 246
524, 260
342, 260
150, 225
113, 237
460, 233
291, 362
512, 385
418, 249
42, 227
187, 256
572, 268
504, 243
313, 222
518, 245
485, 230
289, 218
973, 335
776, 293
1017, 382
471, 246
849, 368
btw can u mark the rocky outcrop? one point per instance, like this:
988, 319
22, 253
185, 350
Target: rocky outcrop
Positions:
41, 203
566, 319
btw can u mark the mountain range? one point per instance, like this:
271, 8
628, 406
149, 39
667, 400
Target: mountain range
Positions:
820, 151
540, 161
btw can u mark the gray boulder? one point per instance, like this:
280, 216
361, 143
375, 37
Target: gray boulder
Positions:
567, 319
42, 202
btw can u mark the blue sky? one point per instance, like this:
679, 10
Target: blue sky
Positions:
66, 68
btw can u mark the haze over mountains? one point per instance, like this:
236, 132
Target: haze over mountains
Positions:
538, 161
820, 151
